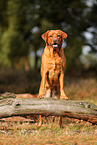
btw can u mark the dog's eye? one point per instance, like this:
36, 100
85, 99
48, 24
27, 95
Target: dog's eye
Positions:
50, 36
58, 35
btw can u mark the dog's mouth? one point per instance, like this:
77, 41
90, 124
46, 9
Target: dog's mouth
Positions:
55, 45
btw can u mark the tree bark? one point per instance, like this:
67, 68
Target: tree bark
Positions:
36, 61
10, 106
27, 66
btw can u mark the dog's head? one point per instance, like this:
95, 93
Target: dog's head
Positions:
54, 38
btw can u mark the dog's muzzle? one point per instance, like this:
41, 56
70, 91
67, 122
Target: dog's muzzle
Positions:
55, 45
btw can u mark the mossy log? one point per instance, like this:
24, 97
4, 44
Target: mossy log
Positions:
11, 106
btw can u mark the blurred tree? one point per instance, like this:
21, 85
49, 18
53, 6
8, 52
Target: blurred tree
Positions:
3, 18
26, 20
91, 42
93, 27
13, 41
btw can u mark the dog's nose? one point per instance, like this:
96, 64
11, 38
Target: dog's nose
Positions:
55, 40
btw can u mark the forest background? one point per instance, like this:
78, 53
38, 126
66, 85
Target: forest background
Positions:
23, 22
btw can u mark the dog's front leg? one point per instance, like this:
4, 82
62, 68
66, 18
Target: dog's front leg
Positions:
62, 93
42, 85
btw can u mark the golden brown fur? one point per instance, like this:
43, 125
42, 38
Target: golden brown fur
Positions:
53, 65
26, 95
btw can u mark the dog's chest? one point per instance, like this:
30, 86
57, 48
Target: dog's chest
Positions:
54, 66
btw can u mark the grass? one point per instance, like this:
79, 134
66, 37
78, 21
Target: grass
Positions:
27, 134
82, 89
75, 132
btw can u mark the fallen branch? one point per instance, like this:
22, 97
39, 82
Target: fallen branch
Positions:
48, 107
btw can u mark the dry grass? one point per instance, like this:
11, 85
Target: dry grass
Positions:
82, 89
26, 134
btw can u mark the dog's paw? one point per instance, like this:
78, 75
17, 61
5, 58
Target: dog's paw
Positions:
64, 97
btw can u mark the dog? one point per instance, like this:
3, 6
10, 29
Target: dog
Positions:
53, 67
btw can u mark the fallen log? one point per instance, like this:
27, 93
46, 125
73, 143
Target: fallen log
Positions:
10, 106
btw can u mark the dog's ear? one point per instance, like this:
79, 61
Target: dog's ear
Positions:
45, 36
64, 35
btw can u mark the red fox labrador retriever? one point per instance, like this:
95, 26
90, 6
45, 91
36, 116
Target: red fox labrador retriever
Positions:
52, 67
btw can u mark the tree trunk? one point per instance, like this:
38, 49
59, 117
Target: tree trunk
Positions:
36, 61
48, 107
27, 67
